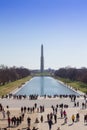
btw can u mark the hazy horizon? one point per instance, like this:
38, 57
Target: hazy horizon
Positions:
60, 25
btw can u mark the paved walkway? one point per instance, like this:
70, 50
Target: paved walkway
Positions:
15, 105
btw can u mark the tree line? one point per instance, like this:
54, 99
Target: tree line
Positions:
72, 74
10, 74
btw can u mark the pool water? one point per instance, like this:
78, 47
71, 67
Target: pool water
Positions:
45, 86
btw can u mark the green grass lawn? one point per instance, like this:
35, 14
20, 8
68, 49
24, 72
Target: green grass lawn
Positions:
75, 84
7, 88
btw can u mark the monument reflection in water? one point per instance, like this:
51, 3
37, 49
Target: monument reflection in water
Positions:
45, 86
42, 86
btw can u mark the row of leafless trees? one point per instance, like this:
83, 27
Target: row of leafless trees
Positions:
73, 74
9, 74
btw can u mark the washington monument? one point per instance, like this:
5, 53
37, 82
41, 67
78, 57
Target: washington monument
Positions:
42, 60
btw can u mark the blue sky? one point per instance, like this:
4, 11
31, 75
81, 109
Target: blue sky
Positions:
60, 25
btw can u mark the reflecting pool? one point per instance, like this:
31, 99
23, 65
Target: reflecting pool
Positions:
45, 86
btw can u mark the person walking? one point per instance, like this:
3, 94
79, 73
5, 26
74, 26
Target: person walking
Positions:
65, 119
41, 118
9, 121
55, 118
61, 113
28, 121
8, 113
50, 123
73, 118
3, 113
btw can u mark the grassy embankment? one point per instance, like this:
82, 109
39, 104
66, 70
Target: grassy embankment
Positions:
75, 84
7, 88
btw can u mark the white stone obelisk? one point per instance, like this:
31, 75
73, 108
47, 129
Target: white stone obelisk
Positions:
42, 60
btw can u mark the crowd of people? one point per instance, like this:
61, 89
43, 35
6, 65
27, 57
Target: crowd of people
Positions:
35, 96
52, 117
